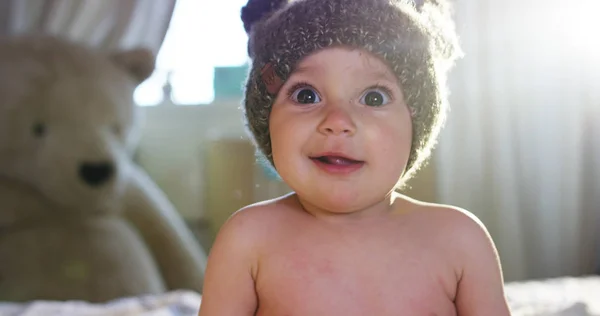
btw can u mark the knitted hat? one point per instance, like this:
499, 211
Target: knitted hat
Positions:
414, 38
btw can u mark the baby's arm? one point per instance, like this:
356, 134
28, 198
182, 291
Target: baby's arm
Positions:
481, 285
229, 281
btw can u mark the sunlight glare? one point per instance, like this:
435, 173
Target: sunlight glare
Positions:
201, 36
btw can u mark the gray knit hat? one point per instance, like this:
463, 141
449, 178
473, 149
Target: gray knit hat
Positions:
415, 39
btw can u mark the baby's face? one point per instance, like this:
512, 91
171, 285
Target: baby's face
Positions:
340, 130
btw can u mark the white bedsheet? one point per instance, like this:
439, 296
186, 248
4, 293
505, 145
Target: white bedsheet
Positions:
179, 303
554, 297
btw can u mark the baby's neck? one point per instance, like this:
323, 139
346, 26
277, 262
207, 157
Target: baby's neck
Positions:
378, 211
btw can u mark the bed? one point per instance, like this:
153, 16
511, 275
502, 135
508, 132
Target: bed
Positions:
568, 296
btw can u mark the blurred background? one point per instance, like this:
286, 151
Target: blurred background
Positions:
521, 148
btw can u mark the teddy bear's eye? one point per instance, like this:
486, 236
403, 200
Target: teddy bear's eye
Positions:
116, 129
39, 129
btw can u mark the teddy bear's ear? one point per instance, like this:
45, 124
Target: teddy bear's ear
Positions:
139, 62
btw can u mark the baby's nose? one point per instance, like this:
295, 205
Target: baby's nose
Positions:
337, 121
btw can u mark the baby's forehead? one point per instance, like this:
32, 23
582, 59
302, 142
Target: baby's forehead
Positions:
345, 61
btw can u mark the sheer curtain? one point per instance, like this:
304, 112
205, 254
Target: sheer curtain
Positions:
521, 149
105, 24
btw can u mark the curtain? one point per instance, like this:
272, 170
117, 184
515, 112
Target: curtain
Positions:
105, 24
521, 148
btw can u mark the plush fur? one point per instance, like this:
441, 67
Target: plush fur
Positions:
78, 219
415, 39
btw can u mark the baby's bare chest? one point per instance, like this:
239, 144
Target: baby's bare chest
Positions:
355, 277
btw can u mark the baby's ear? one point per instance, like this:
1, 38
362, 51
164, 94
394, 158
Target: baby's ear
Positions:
139, 62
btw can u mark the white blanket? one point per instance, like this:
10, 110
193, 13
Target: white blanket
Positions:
554, 297
180, 303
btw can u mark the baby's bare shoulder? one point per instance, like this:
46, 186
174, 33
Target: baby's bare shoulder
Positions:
234, 258
480, 285
242, 237
273, 210
450, 223
435, 212
458, 230
253, 222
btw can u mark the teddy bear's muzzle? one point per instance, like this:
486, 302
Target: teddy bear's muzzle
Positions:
96, 174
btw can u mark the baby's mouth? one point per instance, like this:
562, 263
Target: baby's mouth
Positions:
337, 164
336, 160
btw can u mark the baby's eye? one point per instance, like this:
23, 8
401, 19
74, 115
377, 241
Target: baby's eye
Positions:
305, 95
375, 97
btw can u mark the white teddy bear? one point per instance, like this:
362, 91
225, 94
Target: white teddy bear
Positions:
78, 219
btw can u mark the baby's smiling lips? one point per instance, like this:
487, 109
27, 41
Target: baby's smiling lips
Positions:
336, 163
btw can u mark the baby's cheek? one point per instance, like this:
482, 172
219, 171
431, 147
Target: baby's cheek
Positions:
391, 146
390, 133
280, 145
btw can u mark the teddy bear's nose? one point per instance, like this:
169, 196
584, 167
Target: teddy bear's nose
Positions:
96, 174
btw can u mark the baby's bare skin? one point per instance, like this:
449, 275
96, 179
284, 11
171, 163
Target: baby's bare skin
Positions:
387, 265
342, 244
410, 261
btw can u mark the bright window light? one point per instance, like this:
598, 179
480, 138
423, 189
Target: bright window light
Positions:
578, 22
202, 35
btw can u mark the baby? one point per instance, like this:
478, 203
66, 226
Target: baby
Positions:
345, 99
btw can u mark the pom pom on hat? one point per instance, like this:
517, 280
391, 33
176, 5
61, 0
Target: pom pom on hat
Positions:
256, 10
